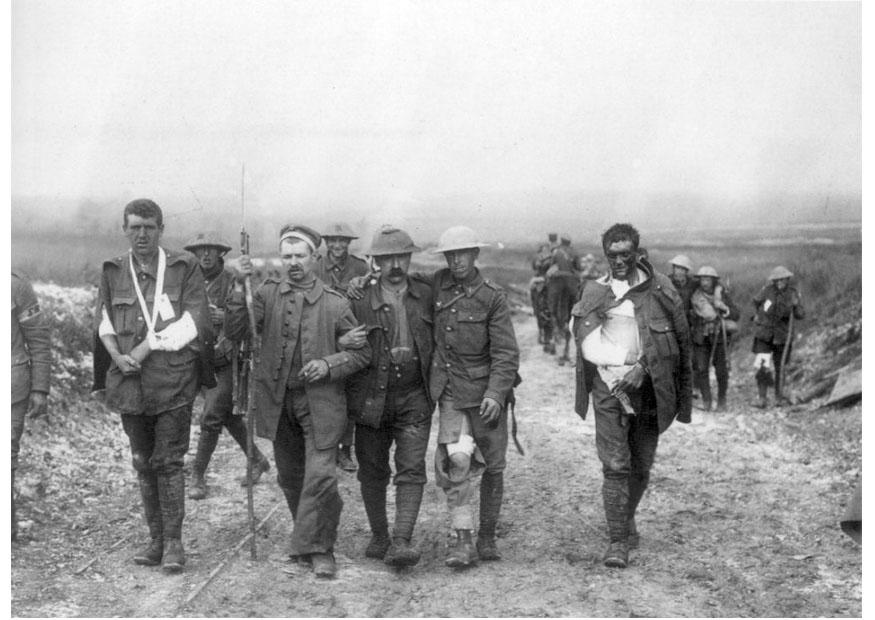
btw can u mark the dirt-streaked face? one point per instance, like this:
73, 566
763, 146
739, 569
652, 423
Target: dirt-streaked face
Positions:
461, 262
143, 234
782, 283
707, 283
679, 273
298, 259
393, 267
621, 257
208, 257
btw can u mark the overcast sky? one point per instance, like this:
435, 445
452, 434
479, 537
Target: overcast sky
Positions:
386, 103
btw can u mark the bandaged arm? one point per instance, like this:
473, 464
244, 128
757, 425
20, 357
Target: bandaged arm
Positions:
603, 353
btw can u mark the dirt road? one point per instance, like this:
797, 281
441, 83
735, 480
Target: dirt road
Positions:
740, 520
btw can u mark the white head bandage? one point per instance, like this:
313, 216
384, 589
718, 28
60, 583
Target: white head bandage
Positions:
294, 234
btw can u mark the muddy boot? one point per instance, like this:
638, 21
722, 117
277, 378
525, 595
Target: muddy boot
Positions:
634, 539
491, 493
260, 465
151, 555
763, 401
615, 495
463, 554
174, 556
206, 445
171, 492
408, 498
323, 565
541, 335
374, 499
344, 459
637, 486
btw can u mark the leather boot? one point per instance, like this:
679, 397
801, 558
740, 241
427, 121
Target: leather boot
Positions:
491, 494
344, 459
762, 389
151, 555
374, 499
260, 465
463, 555
206, 445
408, 498
615, 494
174, 556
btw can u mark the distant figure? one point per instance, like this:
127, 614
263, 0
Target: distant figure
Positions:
31, 360
589, 268
538, 293
563, 285
776, 304
633, 359
681, 266
712, 307
336, 269
218, 401
154, 322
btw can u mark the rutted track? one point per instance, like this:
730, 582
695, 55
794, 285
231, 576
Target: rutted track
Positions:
740, 520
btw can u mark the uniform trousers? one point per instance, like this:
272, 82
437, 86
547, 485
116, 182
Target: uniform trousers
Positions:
701, 369
19, 411
308, 478
491, 448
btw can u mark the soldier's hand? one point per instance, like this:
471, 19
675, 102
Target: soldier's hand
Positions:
314, 370
490, 410
354, 338
632, 380
38, 405
127, 364
356, 287
242, 267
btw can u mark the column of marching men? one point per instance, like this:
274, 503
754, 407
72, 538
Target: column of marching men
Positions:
355, 356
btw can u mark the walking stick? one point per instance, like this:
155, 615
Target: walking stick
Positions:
246, 392
725, 344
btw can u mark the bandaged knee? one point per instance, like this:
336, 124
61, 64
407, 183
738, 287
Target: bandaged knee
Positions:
460, 452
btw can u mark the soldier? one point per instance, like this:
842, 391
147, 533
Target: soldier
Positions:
681, 266
218, 401
775, 305
300, 404
563, 284
633, 357
389, 400
473, 373
538, 293
711, 307
589, 268
336, 270
31, 367
153, 322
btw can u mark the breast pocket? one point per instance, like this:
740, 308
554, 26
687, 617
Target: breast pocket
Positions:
662, 331
125, 315
473, 332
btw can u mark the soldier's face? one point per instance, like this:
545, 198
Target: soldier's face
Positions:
461, 262
679, 273
621, 257
208, 257
298, 259
393, 267
338, 247
782, 283
143, 233
707, 284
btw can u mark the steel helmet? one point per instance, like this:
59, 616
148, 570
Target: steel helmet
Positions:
207, 240
779, 273
706, 270
339, 229
682, 260
458, 238
390, 240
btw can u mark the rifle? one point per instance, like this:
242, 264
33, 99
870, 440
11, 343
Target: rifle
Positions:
248, 350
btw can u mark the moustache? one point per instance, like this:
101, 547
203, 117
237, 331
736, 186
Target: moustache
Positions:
396, 272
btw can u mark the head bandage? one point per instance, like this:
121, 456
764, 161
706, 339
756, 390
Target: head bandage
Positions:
294, 234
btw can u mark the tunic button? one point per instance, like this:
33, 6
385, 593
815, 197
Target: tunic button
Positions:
382, 368
386, 308
382, 387
452, 310
449, 328
447, 364
447, 346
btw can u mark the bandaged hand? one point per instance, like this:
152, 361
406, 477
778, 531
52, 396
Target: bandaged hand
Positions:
632, 380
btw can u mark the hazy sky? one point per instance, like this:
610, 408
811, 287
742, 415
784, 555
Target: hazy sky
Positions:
396, 103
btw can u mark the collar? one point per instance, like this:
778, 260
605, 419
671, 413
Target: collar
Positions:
311, 295
470, 284
220, 267
333, 264
377, 300
645, 276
